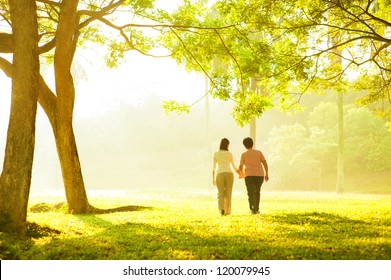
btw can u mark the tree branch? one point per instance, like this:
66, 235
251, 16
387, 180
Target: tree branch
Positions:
6, 66
94, 15
193, 57
235, 60
49, 2
46, 98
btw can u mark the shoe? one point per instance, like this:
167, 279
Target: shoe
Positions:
222, 212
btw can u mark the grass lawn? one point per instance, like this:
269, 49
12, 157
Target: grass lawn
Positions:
186, 225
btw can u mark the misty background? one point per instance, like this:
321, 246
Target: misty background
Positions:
127, 142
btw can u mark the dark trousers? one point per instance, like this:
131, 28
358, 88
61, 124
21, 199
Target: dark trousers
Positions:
253, 185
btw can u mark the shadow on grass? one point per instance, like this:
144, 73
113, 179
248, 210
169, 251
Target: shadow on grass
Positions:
310, 235
316, 218
129, 208
321, 223
45, 207
329, 228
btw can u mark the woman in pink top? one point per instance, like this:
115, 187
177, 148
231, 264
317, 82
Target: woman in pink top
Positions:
255, 171
223, 176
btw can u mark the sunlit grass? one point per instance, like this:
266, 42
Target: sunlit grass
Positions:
186, 225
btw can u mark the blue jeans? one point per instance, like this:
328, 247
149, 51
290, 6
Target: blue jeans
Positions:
253, 185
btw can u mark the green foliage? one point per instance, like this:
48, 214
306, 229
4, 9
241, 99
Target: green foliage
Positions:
312, 146
116, 53
368, 141
223, 86
324, 116
286, 142
251, 107
139, 4
186, 225
305, 43
290, 47
173, 106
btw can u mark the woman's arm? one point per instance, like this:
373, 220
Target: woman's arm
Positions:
234, 166
266, 167
214, 170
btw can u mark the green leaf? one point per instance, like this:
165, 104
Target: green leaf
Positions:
173, 106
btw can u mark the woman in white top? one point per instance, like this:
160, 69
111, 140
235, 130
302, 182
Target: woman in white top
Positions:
223, 176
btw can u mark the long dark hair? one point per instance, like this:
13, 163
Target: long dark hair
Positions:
224, 144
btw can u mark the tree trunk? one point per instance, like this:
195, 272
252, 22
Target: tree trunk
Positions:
66, 41
15, 179
253, 121
341, 139
253, 131
71, 172
341, 145
208, 130
207, 116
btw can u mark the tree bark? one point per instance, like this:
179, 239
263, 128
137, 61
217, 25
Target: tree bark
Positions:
6, 43
66, 40
15, 179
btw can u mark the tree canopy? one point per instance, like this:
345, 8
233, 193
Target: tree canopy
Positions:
284, 47
290, 47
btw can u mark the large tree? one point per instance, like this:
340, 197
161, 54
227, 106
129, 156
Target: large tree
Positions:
16, 176
62, 26
65, 25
